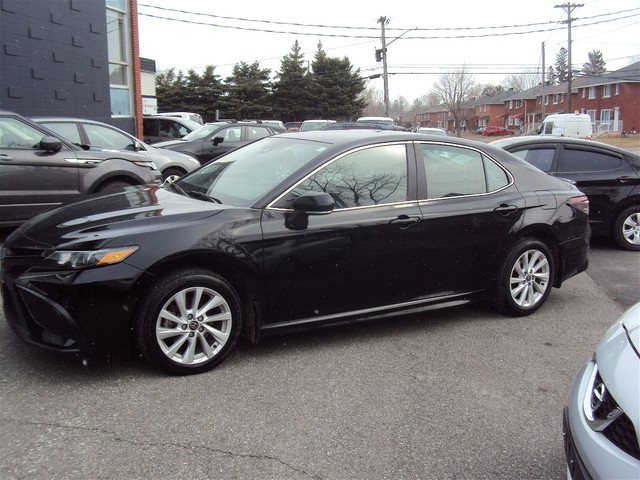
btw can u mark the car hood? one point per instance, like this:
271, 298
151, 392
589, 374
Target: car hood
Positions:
618, 359
96, 219
170, 143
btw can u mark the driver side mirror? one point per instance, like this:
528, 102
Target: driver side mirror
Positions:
309, 203
217, 141
50, 144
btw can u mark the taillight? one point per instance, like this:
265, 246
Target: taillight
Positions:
580, 203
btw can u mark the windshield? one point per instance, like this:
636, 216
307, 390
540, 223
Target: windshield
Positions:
203, 132
246, 174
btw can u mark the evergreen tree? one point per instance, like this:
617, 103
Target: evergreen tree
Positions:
562, 67
249, 90
291, 90
596, 64
552, 78
171, 90
336, 89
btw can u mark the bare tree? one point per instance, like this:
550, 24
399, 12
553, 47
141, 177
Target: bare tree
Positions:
454, 88
521, 82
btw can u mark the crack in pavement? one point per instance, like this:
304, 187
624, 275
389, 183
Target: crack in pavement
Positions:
119, 438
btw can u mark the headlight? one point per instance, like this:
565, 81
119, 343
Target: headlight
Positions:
149, 165
90, 258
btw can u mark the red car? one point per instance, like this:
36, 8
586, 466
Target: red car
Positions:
488, 131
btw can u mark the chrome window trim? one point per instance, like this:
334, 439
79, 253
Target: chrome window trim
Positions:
482, 154
406, 143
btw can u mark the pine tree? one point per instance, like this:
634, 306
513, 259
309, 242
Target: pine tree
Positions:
248, 89
291, 95
596, 64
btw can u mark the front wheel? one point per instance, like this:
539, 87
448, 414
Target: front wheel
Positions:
188, 322
626, 228
525, 278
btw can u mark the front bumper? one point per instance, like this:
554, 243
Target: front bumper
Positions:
71, 312
590, 454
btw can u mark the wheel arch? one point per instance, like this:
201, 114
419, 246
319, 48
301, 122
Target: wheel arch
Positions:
546, 236
243, 279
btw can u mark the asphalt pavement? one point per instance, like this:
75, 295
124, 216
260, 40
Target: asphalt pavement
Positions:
452, 394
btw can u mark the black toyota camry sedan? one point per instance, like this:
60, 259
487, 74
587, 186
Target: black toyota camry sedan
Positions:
291, 232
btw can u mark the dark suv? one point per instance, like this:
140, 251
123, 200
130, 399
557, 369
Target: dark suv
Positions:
608, 175
39, 169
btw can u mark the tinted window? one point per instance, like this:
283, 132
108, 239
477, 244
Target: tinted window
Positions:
454, 171
100, 136
538, 157
372, 176
231, 134
575, 160
67, 130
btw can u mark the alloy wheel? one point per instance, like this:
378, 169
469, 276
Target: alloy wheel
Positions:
529, 278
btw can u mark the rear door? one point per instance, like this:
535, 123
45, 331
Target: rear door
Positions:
604, 176
32, 180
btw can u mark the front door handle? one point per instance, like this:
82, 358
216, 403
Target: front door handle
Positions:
405, 221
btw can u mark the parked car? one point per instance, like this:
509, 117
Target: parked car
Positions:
161, 129
293, 231
95, 134
308, 125
382, 120
194, 117
493, 130
292, 126
608, 175
214, 139
356, 126
601, 422
40, 169
432, 131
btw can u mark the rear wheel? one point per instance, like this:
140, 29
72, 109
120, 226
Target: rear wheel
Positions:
188, 322
525, 278
626, 228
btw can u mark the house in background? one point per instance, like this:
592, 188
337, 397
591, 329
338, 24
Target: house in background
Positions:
75, 58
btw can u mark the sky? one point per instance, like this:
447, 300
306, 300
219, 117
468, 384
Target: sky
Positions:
494, 39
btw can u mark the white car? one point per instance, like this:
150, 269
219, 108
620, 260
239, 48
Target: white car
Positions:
95, 134
601, 423
432, 131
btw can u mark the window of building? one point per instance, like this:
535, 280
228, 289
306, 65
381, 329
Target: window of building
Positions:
592, 114
119, 62
592, 93
617, 89
605, 116
555, 98
606, 91
584, 92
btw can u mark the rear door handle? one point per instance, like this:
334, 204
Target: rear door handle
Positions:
625, 179
505, 209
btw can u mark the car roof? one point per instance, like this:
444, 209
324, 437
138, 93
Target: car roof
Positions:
507, 143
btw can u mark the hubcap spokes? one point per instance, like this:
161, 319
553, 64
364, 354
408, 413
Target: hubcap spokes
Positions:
193, 325
529, 278
631, 229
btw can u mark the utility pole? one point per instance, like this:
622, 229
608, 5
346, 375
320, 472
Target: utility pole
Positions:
543, 84
569, 7
383, 52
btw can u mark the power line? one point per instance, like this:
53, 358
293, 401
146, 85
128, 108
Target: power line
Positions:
346, 27
552, 26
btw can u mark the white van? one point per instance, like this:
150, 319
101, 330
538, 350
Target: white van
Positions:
574, 125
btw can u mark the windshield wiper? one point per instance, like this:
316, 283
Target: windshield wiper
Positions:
194, 194
202, 196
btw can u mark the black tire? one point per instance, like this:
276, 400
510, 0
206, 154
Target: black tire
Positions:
525, 278
626, 228
187, 340
113, 186
172, 172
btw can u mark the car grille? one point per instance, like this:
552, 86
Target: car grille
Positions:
620, 432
